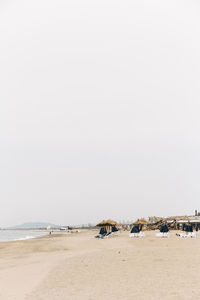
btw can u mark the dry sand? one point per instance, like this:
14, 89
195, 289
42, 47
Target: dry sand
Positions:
80, 267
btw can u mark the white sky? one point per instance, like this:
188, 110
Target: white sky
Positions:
100, 109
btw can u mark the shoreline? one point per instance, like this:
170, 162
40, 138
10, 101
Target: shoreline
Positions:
43, 233
43, 236
13, 236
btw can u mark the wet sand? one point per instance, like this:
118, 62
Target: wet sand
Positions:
77, 266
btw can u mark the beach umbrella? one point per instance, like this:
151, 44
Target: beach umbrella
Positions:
188, 228
114, 229
102, 223
102, 230
141, 221
107, 223
164, 228
135, 229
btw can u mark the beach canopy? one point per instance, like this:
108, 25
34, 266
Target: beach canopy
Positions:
102, 231
135, 229
188, 228
141, 221
114, 229
107, 223
164, 228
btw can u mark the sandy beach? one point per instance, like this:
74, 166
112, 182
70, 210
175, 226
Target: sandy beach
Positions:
77, 266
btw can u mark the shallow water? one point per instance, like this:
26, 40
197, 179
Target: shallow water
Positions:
15, 235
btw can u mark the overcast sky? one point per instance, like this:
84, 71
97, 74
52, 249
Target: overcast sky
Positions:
100, 109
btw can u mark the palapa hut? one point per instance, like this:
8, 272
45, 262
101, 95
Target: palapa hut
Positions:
108, 226
138, 225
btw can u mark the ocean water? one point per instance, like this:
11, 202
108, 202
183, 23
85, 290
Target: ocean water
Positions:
17, 235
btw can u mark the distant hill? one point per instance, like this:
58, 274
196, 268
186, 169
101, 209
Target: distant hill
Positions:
34, 225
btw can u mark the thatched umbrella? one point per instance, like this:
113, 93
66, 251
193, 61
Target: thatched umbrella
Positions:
140, 223
108, 224
102, 223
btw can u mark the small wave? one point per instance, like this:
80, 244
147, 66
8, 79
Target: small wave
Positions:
6, 236
27, 238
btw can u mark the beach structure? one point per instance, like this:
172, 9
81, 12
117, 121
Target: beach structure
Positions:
188, 224
194, 224
107, 228
174, 222
137, 227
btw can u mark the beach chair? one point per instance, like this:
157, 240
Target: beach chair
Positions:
136, 232
188, 235
188, 231
140, 234
102, 233
115, 231
163, 234
99, 236
192, 234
